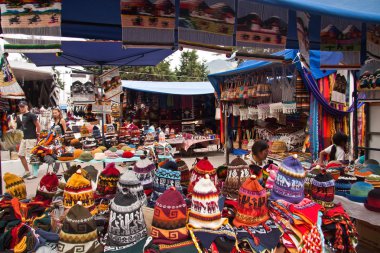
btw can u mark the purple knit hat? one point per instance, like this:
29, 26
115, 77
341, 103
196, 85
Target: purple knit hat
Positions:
289, 183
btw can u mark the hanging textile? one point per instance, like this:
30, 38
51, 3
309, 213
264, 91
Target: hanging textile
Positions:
303, 19
207, 24
261, 28
9, 87
82, 91
340, 43
148, 23
373, 38
34, 18
302, 95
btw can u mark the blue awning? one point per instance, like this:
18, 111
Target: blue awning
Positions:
90, 53
174, 88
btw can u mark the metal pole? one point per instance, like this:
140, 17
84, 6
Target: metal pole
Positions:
355, 123
101, 100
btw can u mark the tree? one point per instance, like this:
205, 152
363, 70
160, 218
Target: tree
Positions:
161, 72
190, 69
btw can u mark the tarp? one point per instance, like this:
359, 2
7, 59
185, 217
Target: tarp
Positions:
90, 53
175, 88
100, 19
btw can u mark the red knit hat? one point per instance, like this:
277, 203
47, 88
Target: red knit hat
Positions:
169, 219
127, 154
252, 204
200, 169
107, 181
47, 188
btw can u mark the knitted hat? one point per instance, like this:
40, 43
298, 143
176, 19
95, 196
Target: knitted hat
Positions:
144, 170
75, 143
359, 192
97, 150
78, 188
129, 182
373, 200
89, 144
373, 180
126, 230
120, 152
14, 185
107, 181
84, 131
272, 171
169, 219
66, 157
343, 185
127, 154
69, 135
164, 179
99, 156
86, 156
102, 148
237, 172
289, 184
79, 232
112, 149
323, 189
110, 155
205, 211
252, 204
47, 188
96, 132
201, 168
309, 179
169, 165
77, 153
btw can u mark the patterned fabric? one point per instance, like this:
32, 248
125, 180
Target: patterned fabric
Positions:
15, 185
129, 182
144, 170
107, 181
163, 180
9, 87
47, 188
201, 168
237, 172
185, 172
323, 189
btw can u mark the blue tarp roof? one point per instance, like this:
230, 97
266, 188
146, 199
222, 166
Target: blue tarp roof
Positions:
89, 53
175, 88
100, 19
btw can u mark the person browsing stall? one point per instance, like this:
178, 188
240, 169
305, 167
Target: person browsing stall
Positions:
336, 151
260, 151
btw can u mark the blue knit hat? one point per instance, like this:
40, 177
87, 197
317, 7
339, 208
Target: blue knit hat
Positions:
289, 183
163, 180
359, 192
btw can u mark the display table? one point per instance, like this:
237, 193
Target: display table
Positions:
187, 144
358, 211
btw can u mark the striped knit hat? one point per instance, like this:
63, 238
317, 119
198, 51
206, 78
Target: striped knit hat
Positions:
15, 185
169, 219
107, 181
185, 172
252, 204
79, 232
144, 170
290, 179
237, 172
205, 212
163, 180
323, 189
129, 182
47, 188
126, 230
78, 188
200, 169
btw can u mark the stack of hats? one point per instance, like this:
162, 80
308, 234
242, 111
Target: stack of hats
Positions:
120, 152
79, 232
89, 144
169, 230
78, 188
373, 180
129, 182
343, 185
144, 169
164, 179
373, 200
107, 181
201, 168
123, 134
335, 168
110, 155
69, 135
127, 154
84, 132
15, 185
86, 156
289, 184
255, 231
47, 188
126, 230
359, 192
272, 171
237, 172
323, 189
96, 133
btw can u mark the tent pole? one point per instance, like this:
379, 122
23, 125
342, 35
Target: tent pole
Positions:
226, 151
101, 100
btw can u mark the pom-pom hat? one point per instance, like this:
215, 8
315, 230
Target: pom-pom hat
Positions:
200, 169
107, 181
47, 188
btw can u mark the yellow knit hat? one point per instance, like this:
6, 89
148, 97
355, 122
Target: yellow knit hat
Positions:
77, 153
15, 185
78, 188
97, 150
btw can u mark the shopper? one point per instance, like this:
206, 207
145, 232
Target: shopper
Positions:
59, 127
28, 123
336, 151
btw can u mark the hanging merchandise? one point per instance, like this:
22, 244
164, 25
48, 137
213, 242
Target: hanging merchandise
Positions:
34, 18
148, 23
82, 92
9, 87
263, 111
207, 24
373, 38
100, 107
261, 28
302, 95
340, 43
111, 84
338, 94
115, 108
303, 19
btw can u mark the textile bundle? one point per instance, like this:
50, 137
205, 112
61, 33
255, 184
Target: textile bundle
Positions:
35, 18
9, 87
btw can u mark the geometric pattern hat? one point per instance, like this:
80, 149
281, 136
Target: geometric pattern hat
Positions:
237, 172
290, 179
164, 179
144, 170
205, 211
79, 232
185, 172
129, 182
78, 188
169, 218
47, 188
200, 169
323, 189
15, 185
126, 230
107, 181
252, 204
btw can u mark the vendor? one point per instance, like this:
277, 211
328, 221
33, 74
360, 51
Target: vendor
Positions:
336, 151
260, 150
